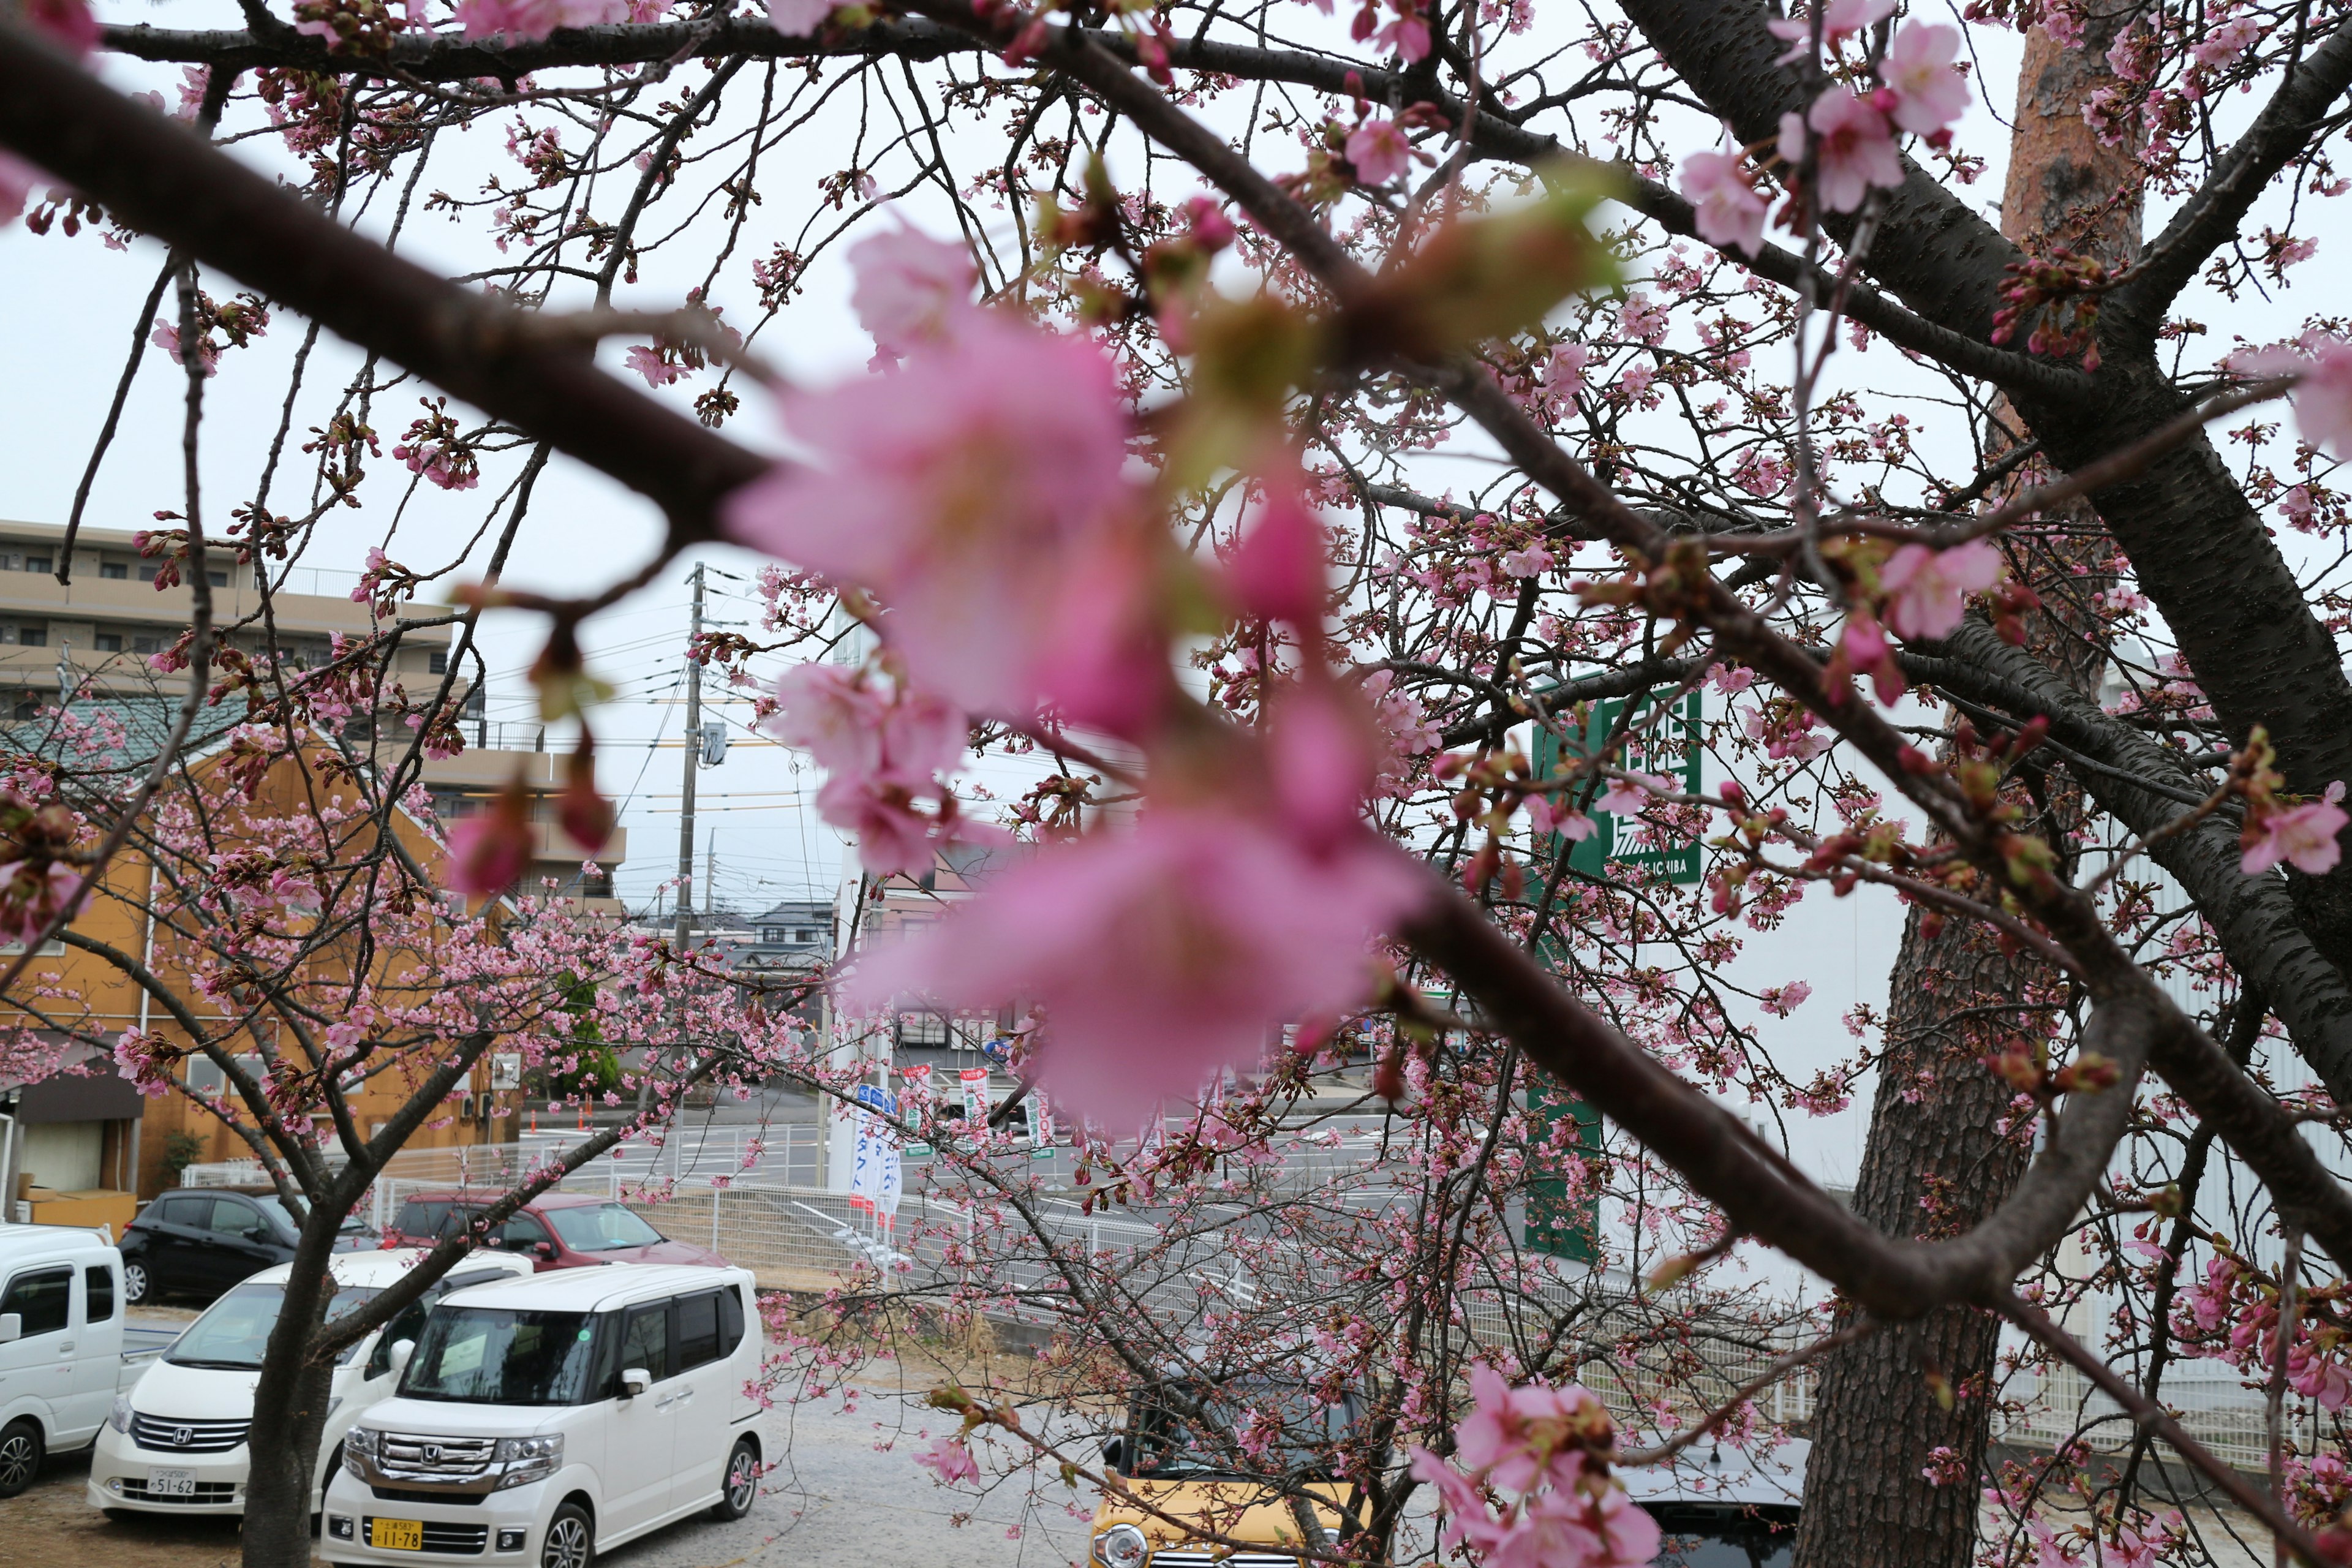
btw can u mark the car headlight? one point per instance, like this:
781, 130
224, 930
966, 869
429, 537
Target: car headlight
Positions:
120, 1419
529, 1459
359, 1451
1121, 1546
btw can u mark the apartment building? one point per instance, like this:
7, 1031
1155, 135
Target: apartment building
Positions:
94, 634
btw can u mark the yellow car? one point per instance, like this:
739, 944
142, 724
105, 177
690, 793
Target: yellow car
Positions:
1230, 1476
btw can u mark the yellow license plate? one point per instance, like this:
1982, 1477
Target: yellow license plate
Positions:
396, 1534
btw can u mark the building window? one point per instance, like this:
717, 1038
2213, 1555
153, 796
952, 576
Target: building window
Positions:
771, 933
437, 662
805, 937
147, 570
218, 579
146, 645
109, 642
35, 637
117, 570
40, 563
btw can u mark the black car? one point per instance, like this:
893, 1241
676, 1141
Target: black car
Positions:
199, 1241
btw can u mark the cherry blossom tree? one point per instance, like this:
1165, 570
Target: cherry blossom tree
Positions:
1330, 451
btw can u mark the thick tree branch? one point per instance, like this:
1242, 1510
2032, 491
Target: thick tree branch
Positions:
2210, 218
2254, 916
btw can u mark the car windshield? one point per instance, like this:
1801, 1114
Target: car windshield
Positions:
236, 1330
602, 1228
1287, 1425
483, 1355
275, 1207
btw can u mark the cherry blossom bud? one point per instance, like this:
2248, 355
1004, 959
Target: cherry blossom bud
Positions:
488, 853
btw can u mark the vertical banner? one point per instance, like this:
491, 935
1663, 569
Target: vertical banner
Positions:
872, 1143
917, 1080
1040, 1124
974, 1084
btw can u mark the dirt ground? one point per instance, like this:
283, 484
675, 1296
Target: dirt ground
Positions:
49, 1526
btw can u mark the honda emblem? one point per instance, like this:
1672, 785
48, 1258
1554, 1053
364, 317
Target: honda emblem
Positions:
181, 1437
432, 1453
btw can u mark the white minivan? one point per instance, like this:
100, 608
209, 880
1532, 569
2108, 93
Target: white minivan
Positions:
175, 1441
544, 1420
61, 1343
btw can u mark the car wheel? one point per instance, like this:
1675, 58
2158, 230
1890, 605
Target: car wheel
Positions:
134, 1282
568, 1542
741, 1482
20, 1457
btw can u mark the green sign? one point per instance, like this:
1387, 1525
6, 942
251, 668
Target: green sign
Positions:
1667, 746
1558, 1224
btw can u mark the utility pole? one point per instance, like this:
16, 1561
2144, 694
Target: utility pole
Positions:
691, 750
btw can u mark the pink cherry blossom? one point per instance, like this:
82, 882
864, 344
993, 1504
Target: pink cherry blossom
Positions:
1926, 90
167, 337
2303, 835
68, 21
2322, 399
1547, 816
951, 1461
30, 896
959, 488
1866, 650
1159, 954
488, 853
1628, 796
1378, 151
1277, 571
1840, 20
798, 18
1730, 210
1323, 749
648, 361
2227, 42
911, 288
1407, 36
1782, 1000
1927, 590
535, 19
882, 753
1533, 562
1852, 149
2319, 1376
136, 1059
1549, 1446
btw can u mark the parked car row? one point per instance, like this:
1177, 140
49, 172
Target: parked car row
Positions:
200, 1240
515, 1415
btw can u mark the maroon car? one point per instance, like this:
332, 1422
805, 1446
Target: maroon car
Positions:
563, 1230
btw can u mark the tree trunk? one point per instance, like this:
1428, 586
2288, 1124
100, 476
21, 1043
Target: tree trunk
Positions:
290, 1407
1939, 1154
1900, 1427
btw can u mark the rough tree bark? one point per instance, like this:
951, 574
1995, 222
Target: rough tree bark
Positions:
1943, 1150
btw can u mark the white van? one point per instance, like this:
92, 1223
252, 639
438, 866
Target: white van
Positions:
175, 1442
61, 1357
544, 1420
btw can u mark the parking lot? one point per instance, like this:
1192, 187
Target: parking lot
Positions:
833, 1497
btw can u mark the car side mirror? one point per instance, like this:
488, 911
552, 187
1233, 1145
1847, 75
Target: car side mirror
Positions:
635, 1380
12, 1326
544, 1248
398, 1360
1114, 1453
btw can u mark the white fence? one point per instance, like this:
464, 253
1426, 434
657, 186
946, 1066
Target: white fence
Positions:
756, 1196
